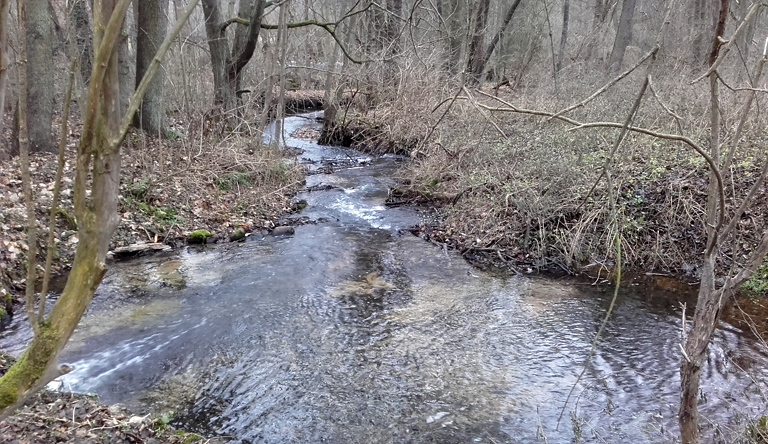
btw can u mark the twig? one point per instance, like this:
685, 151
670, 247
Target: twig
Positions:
726, 48
614, 81
57, 189
578, 125
600, 330
488, 118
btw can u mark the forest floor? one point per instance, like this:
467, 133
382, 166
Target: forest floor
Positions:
51, 417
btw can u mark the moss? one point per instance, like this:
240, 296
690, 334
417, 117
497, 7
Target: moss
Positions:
71, 222
187, 438
198, 236
239, 234
29, 368
758, 283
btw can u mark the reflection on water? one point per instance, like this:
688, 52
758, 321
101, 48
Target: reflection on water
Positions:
353, 332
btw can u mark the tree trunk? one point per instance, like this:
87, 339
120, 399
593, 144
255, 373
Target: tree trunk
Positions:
227, 69
476, 43
40, 76
96, 187
710, 300
4, 9
97, 219
218, 48
126, 67
152, 25
450, 11
563, 34
623, 34
244, 44
499, 35
392, 32
82, 29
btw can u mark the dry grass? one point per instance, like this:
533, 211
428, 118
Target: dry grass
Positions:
518, 187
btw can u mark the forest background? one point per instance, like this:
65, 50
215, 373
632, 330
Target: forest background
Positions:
554, 135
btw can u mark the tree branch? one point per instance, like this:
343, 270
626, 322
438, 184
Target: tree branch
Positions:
579, 125
614, 81
726, 48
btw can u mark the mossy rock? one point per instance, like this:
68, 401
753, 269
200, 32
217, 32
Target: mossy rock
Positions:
238, 235
198, 236
299, 206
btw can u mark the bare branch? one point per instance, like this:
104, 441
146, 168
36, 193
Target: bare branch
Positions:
614, 81
726, 48
669, 111
487, 117
578, 125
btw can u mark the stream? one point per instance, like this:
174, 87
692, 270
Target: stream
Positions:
355, 331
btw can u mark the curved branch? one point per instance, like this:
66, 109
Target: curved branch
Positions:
238, 20
579, 125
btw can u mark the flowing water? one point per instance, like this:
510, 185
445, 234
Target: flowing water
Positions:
353, 331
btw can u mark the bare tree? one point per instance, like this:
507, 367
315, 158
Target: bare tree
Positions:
81, 27
476, 56
563, 34
96, 187
40, 92
228, 65
4, 13
152, 24
623, 34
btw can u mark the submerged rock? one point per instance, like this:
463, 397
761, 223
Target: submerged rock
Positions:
283, 231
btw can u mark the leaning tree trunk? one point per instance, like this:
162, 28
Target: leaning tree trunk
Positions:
151, 26
40, 90
499, 35
710, 299
97, 181
96, 216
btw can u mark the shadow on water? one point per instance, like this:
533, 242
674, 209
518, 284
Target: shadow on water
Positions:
350, 331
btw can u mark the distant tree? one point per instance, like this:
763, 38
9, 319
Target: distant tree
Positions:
563, 34
40, 89
4, 14
476, 55
479, 55
152, 25
623, 34
81, 27
228, 64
